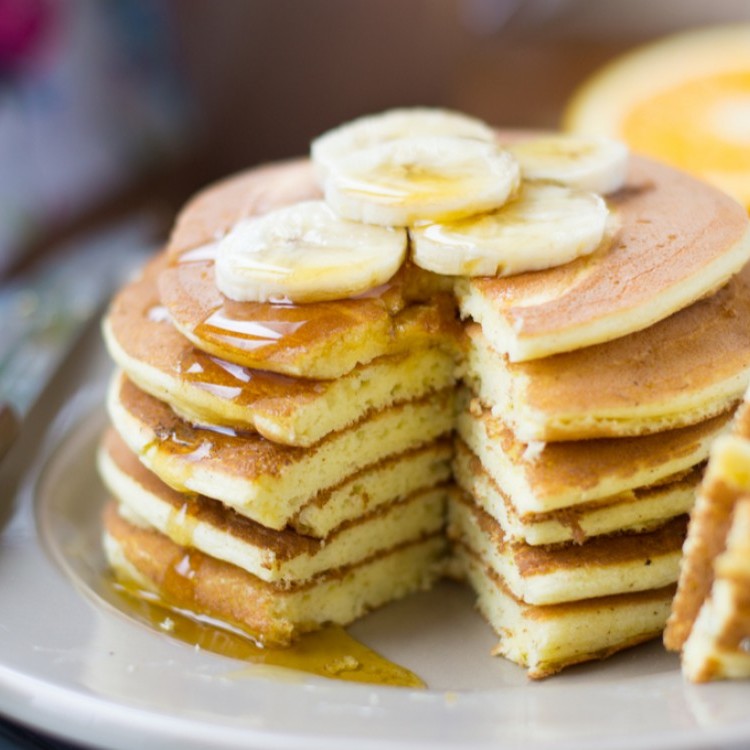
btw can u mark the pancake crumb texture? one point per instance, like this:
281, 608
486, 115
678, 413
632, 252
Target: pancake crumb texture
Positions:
284, 452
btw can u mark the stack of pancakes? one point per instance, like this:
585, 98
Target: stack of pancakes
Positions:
710, 620
593, 392
276, 466
280, 466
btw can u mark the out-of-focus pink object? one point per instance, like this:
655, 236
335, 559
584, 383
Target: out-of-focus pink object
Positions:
23, 25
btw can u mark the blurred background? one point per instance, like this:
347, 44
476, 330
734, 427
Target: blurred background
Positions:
108, 107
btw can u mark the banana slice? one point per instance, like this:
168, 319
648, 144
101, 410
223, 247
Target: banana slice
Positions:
392, 125
547, 225
433, 178
305, 253
584, 162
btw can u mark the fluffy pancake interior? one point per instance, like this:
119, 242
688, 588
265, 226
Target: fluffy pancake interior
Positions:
275, 615
545, 477
550, 575
639, 510
266, 481
546, 639
719, 643
683, 370
274, 556
394, 477
295, 411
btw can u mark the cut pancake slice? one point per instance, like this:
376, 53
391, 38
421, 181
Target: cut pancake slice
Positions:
394, 477
710, 619
727, 479
543, 477
319, 340
603, 566
315, 340
207, 390
546, 639
719, 643
641, 509
280, 557
683, 370
188, 579
265, 481
676, 240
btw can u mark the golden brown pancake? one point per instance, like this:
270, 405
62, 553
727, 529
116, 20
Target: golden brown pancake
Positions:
726, 482
188, 579
282, 557
266, 481
641, 509
546, 639
718, 646
315, 340
548, 476
542, 575
677, 239
206, 389
685, 369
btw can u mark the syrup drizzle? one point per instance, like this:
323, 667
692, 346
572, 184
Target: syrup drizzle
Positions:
330, 652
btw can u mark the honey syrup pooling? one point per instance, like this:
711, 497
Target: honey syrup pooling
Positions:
329, 652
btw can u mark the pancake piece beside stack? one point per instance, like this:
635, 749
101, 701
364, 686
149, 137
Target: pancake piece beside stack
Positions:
270, 501
710, 620
576, 470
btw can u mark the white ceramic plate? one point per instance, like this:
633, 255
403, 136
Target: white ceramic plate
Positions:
72, 664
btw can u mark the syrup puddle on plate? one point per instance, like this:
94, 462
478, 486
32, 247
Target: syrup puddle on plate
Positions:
329, 652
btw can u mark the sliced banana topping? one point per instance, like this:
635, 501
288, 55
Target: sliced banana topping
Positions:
305, 253
579, 161
427, 178
389, 126
547, 225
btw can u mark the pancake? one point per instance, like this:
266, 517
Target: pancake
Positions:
207, 390
538, 478
315, 340
546, 639
718, 646
266, 481
603, 566
213, 211
275, 615
394, 477
641, 509
710, 618
676, 240
280, 557
683, 370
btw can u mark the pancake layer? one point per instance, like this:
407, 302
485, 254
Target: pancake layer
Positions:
710, 619
546, 639
268, 482
207, 390
545, 477
642, 509
280, 557
676, 240
565, 573
274, 615
688, 368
